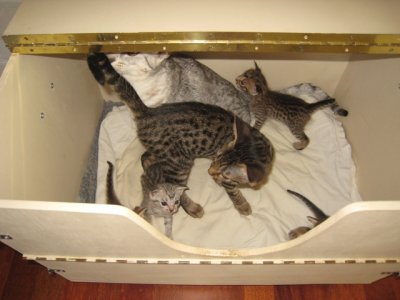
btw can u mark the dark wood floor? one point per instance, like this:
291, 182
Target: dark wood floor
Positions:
21, 279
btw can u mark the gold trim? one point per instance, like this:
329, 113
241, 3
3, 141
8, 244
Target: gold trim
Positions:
242, 42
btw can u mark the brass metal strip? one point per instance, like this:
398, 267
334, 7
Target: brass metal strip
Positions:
244, 42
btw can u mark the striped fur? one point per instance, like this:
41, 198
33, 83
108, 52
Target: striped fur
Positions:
174, 134
160, 199
319, 216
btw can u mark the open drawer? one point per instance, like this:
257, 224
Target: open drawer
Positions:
51, 105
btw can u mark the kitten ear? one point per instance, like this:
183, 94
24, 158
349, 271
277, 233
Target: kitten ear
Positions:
243, 174
180, 190
237, 173
157, 194
256, 67
241, 130
255, 174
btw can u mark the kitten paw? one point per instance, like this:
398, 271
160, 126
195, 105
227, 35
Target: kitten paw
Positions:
300, 145
244, 209
195, 210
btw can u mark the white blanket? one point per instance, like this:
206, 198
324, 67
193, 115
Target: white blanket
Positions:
324, 172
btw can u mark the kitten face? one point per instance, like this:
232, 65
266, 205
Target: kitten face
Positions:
252, 81
147, 74
242, 162
167, 196
232, 173
140, 64
246, 84
230, 168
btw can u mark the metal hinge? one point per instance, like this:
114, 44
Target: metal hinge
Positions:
55, 271
395, 274
5, 237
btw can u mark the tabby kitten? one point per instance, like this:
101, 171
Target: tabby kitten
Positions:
292, 111
160, 199
319, 217
163, 78
175, 134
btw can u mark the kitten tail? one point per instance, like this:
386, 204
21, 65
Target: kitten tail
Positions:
321, 104
319, 214
104, 73
110, 192
339, 111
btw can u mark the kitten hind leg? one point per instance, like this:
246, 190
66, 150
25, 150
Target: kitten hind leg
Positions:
298, 132
192, 208
300, 145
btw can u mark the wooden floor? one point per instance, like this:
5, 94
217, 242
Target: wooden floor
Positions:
25, 280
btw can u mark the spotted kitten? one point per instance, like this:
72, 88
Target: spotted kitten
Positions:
291, 110
160, 199
175, 134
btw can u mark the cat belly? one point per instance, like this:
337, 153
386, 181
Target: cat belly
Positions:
152, 86
154, 91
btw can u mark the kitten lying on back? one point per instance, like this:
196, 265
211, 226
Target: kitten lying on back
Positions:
160, 199
265, 103
319, 216
160, 78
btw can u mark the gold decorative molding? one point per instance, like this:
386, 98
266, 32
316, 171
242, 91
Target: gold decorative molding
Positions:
223, 42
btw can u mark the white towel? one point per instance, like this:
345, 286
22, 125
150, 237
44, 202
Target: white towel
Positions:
324, 172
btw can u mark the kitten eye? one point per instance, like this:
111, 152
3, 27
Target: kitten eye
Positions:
177, 202
164, 203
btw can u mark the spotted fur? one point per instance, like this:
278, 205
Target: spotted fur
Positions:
175, 134
291, 110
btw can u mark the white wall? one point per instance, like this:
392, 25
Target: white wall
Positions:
7, 10
370, 90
